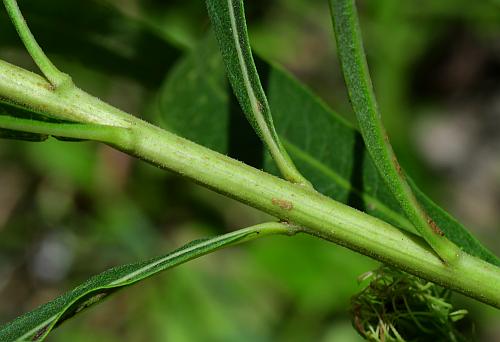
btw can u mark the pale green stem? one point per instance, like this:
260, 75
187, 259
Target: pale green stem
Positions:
55, 77
102, 133
77, 105
319, 215
357, 78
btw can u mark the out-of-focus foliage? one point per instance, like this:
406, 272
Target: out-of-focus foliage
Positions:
70, 210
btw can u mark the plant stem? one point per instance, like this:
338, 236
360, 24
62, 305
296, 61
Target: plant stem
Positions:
102, 133
319, 215
37, 324
322, 216
73, 104
55, 77
357, 78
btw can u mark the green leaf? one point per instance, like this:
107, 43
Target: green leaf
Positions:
195, 87
228, 20
357, 78
330, 152
37, 324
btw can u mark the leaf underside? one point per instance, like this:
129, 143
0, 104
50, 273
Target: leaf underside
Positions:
326, 148
228, 21
229, 25
37, 324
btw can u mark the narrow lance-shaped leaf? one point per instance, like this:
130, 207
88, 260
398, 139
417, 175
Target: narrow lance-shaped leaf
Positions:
335, 161
55, 77
37, 324
228, 20
360, 89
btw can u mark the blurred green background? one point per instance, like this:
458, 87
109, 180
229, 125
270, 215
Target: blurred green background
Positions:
71, 210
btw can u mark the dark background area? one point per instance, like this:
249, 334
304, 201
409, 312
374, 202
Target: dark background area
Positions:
71, 210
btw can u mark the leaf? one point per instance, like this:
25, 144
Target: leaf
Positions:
362, 97
228, 20
330, 152
37, 324
197, 86
195, 101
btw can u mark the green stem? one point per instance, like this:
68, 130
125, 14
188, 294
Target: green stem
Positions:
73, 104
55, 77
355, 68
102, 133
318, 214
37, 324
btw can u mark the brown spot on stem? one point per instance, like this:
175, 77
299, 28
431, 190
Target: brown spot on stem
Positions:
283, 204
45, 85
434, 227
260, 107
398, 167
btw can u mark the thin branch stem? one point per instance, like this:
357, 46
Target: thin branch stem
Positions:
102, 133
319, 215
356, 74
213, 244
54, 75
